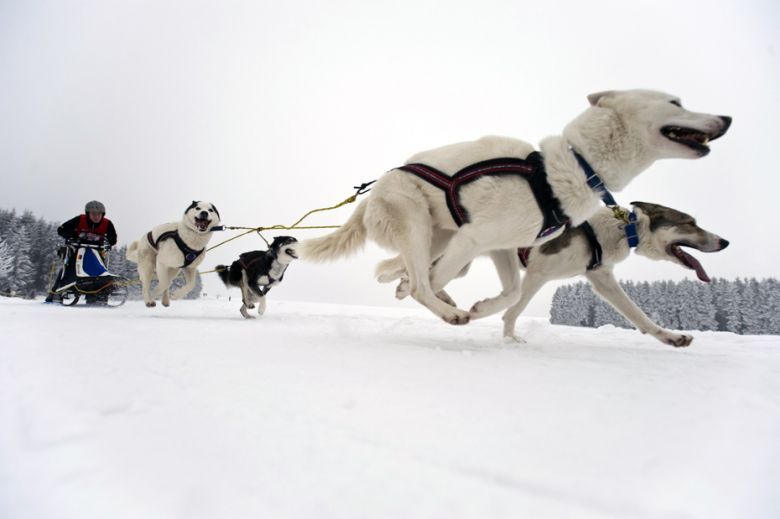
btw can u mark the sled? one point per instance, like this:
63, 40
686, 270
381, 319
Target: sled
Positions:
84, 272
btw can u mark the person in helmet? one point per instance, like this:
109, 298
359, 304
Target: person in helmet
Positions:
90, 227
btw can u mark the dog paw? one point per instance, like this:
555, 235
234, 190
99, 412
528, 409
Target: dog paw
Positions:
166, 304
402, 290
513, 339
677, 340
457, 318
151, 304
250, 306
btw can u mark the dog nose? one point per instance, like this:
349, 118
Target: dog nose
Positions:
723, 244
726, 122
204, 214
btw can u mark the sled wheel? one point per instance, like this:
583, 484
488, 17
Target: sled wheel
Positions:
117, 296
70, 297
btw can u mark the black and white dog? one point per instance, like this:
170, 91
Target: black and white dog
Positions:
257, 271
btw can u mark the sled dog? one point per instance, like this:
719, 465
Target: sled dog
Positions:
256, 272
659, 233
441, 205
171, 247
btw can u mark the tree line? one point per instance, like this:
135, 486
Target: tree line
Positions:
743, 306
29, 262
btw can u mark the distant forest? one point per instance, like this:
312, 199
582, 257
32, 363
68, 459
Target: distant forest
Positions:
28, 257
743, 306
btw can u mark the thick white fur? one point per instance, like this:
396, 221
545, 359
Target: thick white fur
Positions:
167, 260
619, 135
573, 260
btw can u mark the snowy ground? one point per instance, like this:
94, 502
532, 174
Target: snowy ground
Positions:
318, 411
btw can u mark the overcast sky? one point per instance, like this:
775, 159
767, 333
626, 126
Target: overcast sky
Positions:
268, 109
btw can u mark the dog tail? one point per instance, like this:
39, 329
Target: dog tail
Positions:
224, 274
132, 252
346, 240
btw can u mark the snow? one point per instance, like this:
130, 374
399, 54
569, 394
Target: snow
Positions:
324, 411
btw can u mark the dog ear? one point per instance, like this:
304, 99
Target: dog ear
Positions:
594, 99
645, 207
215, 210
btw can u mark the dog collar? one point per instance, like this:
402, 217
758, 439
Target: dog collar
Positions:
594, 181
630, 219
632, 236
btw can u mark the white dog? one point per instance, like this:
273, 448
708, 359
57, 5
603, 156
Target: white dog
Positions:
171, 247
492, 196
593, 249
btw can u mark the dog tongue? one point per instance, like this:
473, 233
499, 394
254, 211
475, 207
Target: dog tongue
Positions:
693, 263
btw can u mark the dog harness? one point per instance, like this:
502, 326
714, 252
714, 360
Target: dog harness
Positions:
632, 237
593, 242
190, 255
245, 263
531, 168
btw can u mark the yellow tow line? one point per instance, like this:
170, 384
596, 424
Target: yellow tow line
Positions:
362, 189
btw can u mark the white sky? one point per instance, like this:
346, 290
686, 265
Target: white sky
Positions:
269, 109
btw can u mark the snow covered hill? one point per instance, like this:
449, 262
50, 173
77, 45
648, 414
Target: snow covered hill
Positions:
318, 411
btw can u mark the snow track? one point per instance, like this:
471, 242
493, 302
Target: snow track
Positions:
353, 412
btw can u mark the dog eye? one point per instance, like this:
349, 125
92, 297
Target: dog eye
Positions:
197, 208
211, 210
676, 103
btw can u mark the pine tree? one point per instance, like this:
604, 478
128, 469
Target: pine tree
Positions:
685, 301
605, 314
6, 264
121, 266
749, 308
43, 253
21, 277
7, 220
767, 315
725, 296
773, 307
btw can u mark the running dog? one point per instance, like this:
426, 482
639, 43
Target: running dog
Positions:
593, 249
173, 247
497, 194
256, 272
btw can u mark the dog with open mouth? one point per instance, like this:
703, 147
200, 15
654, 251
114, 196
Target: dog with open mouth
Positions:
173, 247
593, 249
256, 272
496, 194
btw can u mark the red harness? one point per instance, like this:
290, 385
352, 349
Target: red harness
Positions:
531, 168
